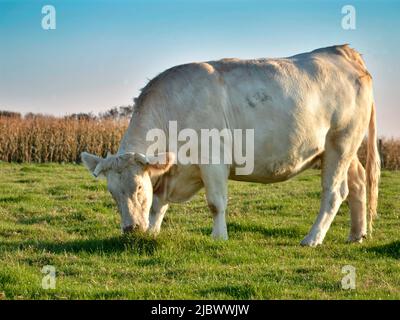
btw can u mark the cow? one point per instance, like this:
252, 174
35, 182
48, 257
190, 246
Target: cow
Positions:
314, 106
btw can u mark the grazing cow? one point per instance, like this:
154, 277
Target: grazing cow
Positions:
308, 107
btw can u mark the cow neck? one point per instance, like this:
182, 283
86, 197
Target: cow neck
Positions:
134, 139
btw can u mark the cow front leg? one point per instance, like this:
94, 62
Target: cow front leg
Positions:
216, 187
157, 213
219, 230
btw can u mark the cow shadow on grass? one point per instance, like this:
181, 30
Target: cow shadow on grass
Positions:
390, 250
141, 244
278, 232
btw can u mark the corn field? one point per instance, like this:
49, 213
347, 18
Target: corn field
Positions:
389, 150
51, 139
48, 139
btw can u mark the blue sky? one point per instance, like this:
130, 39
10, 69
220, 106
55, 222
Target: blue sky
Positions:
103, 52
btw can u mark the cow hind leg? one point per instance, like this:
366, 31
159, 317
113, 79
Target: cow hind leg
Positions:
335, 166
357, 201
216, 187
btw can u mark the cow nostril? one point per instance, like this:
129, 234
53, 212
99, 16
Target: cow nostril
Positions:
128, 229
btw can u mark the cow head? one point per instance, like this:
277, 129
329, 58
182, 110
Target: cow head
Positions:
129, 182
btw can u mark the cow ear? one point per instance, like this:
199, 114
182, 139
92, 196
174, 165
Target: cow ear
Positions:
90, 161
160, 164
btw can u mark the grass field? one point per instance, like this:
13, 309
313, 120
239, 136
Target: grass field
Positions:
58, 215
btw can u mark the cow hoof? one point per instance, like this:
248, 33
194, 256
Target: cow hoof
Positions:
128, 229
154, 231
310, 241
356, 238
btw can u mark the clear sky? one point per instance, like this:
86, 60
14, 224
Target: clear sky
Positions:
102, 52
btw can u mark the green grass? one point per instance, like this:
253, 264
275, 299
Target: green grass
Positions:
59, 215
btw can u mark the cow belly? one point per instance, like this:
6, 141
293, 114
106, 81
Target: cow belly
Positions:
275, 169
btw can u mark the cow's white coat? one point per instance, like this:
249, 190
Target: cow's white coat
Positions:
311, 106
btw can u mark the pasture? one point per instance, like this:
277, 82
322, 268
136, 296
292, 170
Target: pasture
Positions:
57, 214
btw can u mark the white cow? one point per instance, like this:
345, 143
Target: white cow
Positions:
311, 106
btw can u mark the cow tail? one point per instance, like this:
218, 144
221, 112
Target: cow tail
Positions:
373, 169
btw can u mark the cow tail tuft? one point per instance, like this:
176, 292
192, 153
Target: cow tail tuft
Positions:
373, 169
